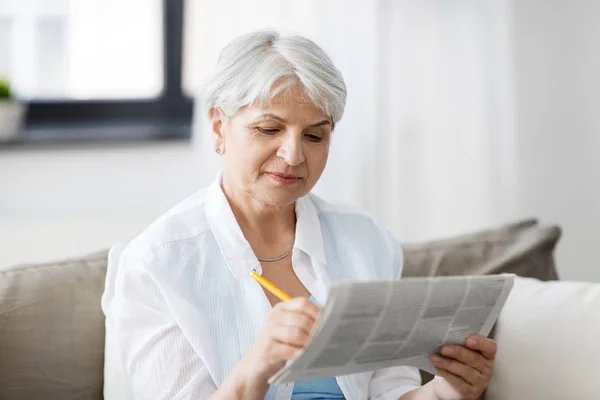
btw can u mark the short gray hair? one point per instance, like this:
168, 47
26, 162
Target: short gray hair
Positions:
250, 65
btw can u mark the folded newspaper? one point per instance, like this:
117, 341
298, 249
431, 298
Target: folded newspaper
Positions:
377, 324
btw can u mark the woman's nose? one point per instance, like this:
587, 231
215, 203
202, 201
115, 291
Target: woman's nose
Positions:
291, 151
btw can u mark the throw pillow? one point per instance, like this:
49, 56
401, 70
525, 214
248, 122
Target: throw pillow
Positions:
525, 248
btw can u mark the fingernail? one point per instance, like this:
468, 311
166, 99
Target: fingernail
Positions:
472, 342
447, 350
435, 358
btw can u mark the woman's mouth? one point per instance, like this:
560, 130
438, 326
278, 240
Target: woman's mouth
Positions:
285, 179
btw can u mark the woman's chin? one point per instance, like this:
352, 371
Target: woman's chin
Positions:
281, 198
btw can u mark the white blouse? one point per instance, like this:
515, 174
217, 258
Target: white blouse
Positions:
184, 309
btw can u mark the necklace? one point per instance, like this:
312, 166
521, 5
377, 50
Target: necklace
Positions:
281, 257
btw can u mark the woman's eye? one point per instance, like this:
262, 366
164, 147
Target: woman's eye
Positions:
313, 138
268, 131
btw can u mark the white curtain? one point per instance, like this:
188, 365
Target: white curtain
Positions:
427, 141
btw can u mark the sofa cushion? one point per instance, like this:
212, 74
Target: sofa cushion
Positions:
52, 330
548, 335
525, 248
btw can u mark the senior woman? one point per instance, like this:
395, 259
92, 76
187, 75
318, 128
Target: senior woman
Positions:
190, 321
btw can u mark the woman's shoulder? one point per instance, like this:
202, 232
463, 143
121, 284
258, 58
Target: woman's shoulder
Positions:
346, 214
358, 241
184, 221
354, 224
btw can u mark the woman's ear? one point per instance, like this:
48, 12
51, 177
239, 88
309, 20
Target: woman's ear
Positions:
217, 128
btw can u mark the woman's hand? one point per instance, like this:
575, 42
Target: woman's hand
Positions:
283, 336
466, 370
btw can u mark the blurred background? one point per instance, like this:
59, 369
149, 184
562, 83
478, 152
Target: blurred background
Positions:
461, 115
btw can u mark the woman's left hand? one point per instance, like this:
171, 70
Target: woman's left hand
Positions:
466, 370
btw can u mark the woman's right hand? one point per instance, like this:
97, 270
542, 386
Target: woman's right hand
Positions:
283, 336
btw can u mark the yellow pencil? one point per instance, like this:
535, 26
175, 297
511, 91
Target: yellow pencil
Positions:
281, 295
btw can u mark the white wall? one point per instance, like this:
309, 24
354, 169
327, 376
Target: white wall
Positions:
56, 203
557, 53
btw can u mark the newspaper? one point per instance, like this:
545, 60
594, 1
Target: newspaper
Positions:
376, 324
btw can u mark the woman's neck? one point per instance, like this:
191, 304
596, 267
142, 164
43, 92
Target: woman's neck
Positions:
262, 223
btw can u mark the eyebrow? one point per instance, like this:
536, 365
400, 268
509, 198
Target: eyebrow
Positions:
282, 120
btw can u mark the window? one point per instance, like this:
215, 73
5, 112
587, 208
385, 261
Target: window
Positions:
95, 69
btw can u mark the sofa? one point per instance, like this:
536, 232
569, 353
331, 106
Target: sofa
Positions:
52, 328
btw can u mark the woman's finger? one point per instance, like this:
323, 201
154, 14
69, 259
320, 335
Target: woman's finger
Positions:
469, 357
300, 305
464, 371
289, 335
296, 320
486, 346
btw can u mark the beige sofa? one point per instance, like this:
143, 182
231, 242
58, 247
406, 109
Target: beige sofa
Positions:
52, 326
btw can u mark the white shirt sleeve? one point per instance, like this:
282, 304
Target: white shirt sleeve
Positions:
391, 383
157, 358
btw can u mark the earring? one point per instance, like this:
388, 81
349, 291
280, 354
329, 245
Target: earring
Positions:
218, 151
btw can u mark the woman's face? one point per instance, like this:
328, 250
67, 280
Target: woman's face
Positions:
274, 154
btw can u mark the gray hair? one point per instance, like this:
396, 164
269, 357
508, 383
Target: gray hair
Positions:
250, 66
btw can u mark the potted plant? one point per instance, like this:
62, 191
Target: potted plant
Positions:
12, 112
